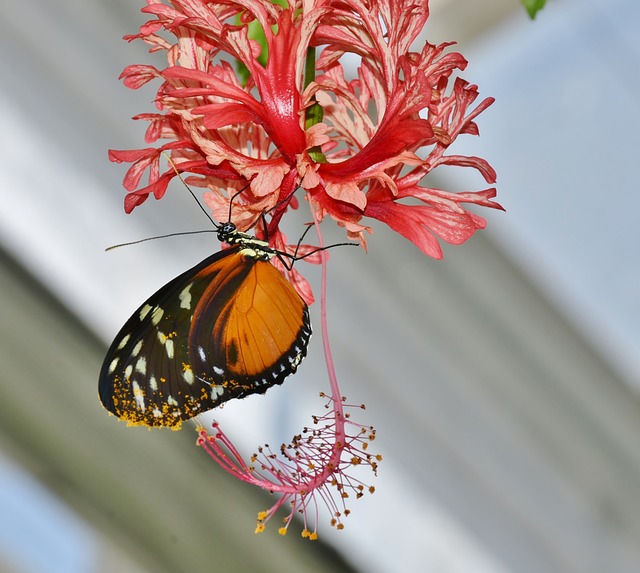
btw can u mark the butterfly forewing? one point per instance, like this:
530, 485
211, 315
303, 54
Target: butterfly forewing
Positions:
207, 336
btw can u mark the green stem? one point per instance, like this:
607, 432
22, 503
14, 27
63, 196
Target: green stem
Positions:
314, 113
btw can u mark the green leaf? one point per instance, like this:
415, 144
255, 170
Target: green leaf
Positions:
533, 6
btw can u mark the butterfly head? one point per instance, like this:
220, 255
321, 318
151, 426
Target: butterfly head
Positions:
227, 231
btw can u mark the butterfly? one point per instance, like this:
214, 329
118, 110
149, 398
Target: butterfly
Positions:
228, 327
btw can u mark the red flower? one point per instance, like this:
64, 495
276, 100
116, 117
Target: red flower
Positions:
381, 135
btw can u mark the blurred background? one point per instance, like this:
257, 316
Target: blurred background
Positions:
503, 381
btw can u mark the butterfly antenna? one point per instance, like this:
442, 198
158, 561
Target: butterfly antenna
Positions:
295, 256
288, 260
175, 168
264, 214
265, 228
179, 234
295, 253
236, 194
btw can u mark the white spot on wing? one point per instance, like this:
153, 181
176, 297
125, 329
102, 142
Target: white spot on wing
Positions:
127, 372
157, 315
185, 297
171, 401
144, 311
296, 362
188, 375
201, 353
137, 348
138, 395
141, 365
113, 365
216, 392
167, 343
153, 383
124, 341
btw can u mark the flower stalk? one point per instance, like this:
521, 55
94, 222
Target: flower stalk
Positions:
321, 457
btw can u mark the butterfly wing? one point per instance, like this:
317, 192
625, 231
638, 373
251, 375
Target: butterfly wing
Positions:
254, 338
204, 317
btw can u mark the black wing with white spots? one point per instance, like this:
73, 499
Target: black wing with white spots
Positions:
207, 336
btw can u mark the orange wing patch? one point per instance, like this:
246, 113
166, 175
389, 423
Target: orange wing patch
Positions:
250, 328
264, 322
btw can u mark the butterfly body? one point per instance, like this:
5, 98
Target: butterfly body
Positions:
228, 327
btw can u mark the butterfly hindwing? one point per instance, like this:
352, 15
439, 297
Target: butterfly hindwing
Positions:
256, 337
